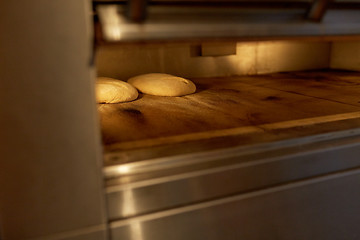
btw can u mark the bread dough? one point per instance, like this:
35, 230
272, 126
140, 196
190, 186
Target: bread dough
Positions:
162, 84
110, 90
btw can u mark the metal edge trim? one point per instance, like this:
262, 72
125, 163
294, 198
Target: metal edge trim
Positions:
148, 182
75, 233
195, 158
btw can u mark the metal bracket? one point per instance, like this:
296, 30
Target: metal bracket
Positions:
317, 10
136, 10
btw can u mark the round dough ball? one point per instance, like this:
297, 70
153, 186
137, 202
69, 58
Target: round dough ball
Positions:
162, 84
109, 90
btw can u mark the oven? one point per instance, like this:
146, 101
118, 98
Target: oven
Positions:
268, 147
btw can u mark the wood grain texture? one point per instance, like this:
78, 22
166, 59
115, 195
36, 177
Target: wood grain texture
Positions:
232, 106
244, 136
341, 86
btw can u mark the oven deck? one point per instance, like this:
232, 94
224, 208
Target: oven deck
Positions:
232, 111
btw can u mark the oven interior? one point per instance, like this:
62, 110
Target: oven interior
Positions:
261, 87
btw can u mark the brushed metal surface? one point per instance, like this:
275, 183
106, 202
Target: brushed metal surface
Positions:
98, 232
319, 208
121, 168
318, 9
171, 23
204, 177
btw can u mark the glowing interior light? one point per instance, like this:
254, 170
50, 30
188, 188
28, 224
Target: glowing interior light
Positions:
114, 32
123, 169
111, 21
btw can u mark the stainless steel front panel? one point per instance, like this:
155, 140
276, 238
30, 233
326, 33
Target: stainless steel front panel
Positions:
319, 208
189, 179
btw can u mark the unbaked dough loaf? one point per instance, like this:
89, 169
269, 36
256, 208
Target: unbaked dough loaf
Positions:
110, 90
162, 84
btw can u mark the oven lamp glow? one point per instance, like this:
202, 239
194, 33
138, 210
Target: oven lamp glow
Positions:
112, 22
123, 169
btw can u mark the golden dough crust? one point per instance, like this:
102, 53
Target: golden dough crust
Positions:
161, 84
110, 90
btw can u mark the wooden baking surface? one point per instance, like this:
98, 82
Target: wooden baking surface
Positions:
230, 106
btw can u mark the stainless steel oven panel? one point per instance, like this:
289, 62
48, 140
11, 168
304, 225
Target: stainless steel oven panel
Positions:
325, 207
171, 23
229, 173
